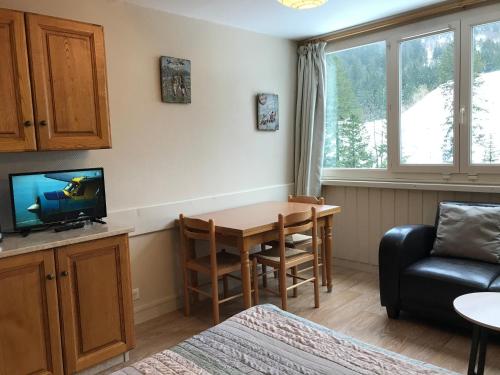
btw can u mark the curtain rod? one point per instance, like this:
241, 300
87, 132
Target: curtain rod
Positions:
436, 10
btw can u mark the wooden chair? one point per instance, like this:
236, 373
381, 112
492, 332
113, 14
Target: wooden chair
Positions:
304, 242
216, 265
285, 258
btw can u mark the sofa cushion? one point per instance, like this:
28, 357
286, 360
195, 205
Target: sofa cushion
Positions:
437, 281
468, 231
495, 285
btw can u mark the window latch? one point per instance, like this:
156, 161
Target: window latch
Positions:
462, 115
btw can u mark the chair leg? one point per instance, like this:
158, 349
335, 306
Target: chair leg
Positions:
215, 298
255, 282
283, 291
194, 283
264, 276
323, 273
187, 296
295, 290
323, 260
316, 282
225, 286
276, 272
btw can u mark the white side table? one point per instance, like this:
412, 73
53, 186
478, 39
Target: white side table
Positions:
483, 311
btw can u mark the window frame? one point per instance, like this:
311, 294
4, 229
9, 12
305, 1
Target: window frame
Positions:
468, 23
411, 33
461, 171
342, 46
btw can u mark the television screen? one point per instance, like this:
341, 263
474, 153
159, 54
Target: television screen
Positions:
44, 198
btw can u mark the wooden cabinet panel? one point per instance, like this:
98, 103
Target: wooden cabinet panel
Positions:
96, 301
17, 132
29, 319
68, 70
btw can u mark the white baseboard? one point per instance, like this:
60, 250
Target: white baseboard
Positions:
156, 308
160, 217
358, 266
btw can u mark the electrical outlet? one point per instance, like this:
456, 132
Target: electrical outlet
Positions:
135, 294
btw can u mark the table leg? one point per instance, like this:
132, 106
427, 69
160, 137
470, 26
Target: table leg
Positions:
479, 344
245, 273
328, 250
483, 345
473, 351
323, 257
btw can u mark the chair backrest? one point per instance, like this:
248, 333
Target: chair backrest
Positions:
196, 229
298, 222
306, 199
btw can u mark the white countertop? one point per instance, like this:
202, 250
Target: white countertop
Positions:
15, 244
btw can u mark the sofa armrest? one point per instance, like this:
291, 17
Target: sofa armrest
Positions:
400, 247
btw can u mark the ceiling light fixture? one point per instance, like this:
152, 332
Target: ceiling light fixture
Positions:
302, 4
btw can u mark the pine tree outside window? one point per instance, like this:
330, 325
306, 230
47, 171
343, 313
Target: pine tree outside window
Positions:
356, 117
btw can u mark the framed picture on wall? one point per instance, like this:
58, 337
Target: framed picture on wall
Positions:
175, 80
267, 112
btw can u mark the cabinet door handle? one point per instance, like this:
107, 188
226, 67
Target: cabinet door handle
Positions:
43, 123
64, 273
51, 276
27, 123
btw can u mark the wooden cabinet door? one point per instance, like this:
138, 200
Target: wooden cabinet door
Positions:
68, 70
29, 319
95, 301
17, 131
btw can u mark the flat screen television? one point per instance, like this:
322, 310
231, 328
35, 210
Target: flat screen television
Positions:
41, 199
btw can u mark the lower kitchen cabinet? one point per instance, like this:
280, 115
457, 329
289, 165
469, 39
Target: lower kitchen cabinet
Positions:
66, 309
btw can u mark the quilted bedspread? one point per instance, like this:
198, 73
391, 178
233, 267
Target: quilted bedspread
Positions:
267, 340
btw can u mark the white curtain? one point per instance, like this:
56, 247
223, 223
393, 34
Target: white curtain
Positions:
310, 119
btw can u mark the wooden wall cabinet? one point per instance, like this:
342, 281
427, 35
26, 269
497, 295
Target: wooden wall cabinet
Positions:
65, 106
71, 305
17, 131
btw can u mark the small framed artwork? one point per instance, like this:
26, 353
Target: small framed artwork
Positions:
175, 80
267, 112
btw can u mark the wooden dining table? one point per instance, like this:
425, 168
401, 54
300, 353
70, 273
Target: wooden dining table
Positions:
248, 226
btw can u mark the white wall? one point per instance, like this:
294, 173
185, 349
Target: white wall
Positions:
164, 153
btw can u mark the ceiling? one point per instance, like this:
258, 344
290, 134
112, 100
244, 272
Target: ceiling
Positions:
269, 17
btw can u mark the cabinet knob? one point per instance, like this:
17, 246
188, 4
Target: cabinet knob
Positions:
43, 123
27, 123
64, 273
51, 276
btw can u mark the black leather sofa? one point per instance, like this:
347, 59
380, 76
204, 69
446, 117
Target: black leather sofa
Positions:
413, 280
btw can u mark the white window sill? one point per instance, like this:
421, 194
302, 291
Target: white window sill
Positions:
475, 188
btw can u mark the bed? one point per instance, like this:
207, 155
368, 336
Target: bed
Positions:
267, 340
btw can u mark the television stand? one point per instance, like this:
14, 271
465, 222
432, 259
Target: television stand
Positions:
25, 233
69, 226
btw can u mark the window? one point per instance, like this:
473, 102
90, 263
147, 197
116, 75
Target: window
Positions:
356, 116
427, 99
417, 103
485, 108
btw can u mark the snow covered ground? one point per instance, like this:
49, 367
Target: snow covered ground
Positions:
423, 129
